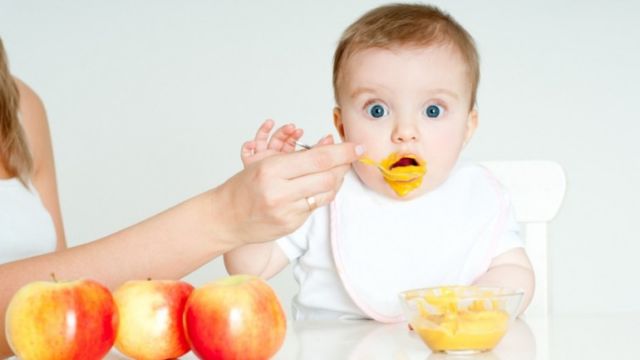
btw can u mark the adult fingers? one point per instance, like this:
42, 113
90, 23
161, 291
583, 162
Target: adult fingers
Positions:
316, 183
247, 150
327, 140
322, 198
315, 160
289, 144
262, 135
312, 202
281, 136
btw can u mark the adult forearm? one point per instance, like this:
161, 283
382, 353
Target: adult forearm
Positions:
511, 276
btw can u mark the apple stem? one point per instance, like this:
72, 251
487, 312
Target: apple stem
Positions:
53, 276
148, 279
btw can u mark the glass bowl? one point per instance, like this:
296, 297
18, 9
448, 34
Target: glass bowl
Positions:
461, 319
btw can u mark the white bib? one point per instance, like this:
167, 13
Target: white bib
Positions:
383, 246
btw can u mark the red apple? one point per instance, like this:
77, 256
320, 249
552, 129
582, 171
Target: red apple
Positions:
151, 319
238, 317
61, 320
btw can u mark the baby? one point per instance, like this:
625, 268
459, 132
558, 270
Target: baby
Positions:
405, 80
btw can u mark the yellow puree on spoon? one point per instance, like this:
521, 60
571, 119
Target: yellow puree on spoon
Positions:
476, 327
403, 178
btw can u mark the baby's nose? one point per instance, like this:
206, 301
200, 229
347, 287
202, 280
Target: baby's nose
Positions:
404, 133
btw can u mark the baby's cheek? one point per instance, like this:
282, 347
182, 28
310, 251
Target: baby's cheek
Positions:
442, 153
369, 175
438, 171
361, 133
363, 171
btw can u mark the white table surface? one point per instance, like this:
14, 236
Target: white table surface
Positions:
582, 337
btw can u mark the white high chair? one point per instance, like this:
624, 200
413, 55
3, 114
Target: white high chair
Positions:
537, 189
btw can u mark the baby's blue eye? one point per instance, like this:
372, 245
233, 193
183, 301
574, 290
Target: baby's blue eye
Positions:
433, 111
377, 110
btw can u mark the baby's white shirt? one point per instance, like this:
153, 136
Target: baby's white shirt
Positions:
353, 257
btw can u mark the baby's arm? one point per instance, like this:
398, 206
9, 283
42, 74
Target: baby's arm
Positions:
513, 270
264, 260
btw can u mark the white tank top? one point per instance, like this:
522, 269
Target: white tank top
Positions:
26, 227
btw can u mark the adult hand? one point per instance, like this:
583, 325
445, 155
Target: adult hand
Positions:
263, 145
274, 196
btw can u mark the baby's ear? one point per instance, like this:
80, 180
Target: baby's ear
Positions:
472, 125
337, 121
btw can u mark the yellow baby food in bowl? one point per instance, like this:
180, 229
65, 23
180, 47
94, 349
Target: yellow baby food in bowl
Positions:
461, 319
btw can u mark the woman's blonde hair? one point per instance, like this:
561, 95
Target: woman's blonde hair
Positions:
14, 150
406, 24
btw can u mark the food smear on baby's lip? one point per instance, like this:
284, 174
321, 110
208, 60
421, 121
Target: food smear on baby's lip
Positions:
405, 172
445, 325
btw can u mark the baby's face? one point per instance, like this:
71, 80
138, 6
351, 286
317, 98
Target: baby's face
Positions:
407, 101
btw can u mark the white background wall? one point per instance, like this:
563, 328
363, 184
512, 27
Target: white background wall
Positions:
149, 101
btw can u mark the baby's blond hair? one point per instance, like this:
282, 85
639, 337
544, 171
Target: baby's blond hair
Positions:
406, 25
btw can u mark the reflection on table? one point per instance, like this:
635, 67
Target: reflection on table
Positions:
370, 340
584, 337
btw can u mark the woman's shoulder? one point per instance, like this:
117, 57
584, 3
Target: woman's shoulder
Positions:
34, 122
31, 107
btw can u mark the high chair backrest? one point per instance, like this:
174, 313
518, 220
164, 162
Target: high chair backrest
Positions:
537, 189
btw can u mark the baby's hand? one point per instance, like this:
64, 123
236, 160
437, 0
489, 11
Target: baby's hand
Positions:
282, 141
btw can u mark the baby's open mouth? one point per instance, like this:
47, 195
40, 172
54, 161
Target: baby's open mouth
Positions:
402, 168
403, 173
405, 161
